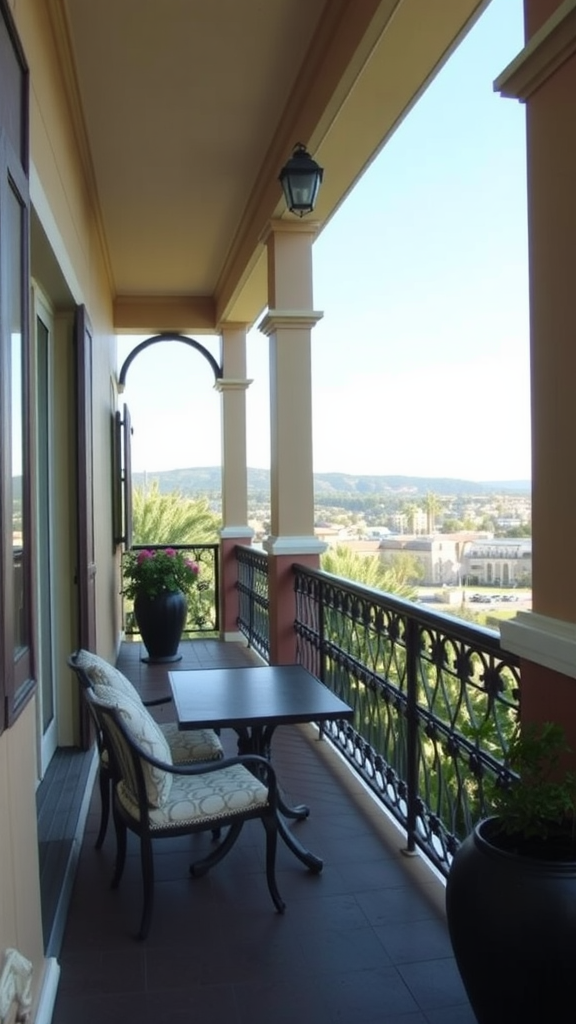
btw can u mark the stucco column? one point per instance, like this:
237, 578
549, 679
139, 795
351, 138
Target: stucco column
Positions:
235, 530
543, 77
288, 325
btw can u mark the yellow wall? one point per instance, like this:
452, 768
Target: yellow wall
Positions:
61, 194
63, 197
20, 921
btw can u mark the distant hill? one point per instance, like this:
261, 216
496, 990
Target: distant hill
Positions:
207, 480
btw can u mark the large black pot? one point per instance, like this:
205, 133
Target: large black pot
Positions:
161, 620
512, 923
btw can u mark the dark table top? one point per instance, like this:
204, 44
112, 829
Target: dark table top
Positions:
241, 697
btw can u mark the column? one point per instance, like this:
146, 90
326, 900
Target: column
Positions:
235, 530
543, 77
288, 325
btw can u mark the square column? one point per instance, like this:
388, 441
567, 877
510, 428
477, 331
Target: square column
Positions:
235, 530
288, 324
543, 76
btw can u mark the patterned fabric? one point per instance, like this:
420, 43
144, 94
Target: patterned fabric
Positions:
202, 799
102, 673
193, 745
148, 735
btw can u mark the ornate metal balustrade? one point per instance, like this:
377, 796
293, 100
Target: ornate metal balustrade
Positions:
435, 702
204, 599
253, 618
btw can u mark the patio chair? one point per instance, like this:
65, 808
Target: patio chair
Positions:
190, 747
157, 799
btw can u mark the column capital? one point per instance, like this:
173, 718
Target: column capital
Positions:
545, 641
232, 325
232, 384
293, 546
237, 532
546, 51
289, 318
289, 227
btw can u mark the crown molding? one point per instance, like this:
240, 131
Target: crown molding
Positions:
550, 47
542, 640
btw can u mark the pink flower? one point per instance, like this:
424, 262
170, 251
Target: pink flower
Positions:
143, 556
193, 566
169, 551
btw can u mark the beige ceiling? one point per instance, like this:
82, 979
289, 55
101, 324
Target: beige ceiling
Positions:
190, 108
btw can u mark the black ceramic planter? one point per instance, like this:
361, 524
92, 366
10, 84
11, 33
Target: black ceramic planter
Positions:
161, 620
512, 923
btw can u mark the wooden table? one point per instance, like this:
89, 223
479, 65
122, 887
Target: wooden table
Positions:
254, 702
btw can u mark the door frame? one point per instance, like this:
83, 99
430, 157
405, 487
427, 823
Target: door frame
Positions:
47, 739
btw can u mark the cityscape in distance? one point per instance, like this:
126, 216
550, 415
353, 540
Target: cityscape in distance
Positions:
502, 507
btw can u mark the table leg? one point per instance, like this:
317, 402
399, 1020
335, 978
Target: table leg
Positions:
258, 740
312, 862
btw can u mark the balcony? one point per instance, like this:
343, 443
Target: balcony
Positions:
364, 941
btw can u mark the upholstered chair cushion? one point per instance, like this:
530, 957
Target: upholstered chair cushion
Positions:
185, 746
102, 673
148, 735
194, 745
198, 799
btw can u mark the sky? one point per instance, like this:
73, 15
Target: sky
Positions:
420, 365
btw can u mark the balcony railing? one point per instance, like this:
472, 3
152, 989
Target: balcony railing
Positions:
435, 698
204, 599
253, 618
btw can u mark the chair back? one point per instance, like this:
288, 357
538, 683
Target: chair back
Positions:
85, 687
126, 764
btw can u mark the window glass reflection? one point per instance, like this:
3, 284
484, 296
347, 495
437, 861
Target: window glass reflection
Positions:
19, 537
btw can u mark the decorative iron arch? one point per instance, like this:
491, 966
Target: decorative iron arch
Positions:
216, 369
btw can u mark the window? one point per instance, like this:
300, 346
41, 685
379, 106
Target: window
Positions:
16, 682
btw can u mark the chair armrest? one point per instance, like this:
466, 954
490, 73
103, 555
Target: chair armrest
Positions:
156, 701
205, 767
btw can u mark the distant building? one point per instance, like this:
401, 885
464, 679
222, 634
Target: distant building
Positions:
438, 555
442, 556
501, 562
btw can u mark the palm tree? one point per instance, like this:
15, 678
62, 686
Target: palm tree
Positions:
411, 511
433, 507
393, 578
171, 518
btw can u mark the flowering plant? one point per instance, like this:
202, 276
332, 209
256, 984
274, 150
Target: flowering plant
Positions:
158, 570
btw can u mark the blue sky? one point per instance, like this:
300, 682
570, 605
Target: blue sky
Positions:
420, 365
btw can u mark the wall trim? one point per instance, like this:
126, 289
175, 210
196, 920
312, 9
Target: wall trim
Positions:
234, 637
542, 640
549, 48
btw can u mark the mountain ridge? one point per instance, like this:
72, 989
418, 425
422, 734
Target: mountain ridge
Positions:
206, 479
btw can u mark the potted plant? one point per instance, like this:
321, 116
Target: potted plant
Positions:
511, 890
159, 580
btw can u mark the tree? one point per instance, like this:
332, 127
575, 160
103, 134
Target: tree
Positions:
433, 506
171, 518
369, 571
411, 511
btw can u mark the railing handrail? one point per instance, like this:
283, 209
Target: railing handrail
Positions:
457, 627
434, 698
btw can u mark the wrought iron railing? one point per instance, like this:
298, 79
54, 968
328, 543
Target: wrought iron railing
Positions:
203, 600
253, 618
435, 702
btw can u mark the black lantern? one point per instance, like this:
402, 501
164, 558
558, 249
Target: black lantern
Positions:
300, 179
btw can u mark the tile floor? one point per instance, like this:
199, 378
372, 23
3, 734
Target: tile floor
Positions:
365, 942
